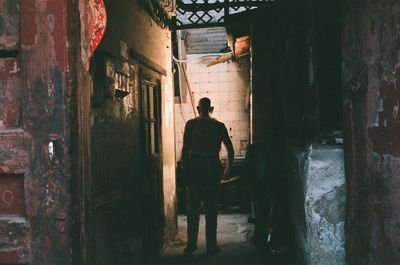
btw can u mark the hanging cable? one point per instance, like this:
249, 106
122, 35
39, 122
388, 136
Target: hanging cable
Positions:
200, 57
181, 69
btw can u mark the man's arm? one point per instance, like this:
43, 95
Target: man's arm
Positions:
186, 147
226, 140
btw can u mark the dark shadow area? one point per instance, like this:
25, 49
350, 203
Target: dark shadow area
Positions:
235, 236
254, 225
297, 122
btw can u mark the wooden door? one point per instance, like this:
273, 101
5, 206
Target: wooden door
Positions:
153, 181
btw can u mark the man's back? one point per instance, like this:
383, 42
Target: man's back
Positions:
200, 159
205, 136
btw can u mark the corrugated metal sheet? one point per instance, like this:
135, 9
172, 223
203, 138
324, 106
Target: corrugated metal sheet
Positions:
207, 40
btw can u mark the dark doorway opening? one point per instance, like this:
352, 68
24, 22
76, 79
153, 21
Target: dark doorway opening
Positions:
296, 111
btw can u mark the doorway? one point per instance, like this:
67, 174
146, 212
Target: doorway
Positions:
295, 111
153, 181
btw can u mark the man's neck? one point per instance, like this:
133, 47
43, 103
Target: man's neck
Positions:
204, 115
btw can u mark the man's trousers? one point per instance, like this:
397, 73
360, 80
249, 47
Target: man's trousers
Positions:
203, 186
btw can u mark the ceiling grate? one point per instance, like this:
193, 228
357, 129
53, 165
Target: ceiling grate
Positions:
208, 13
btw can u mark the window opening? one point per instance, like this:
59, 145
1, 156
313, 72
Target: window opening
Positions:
152, 115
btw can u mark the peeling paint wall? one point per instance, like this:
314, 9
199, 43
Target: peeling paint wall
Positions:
296, 103
35, 110
48, 122
318, 205
371, 71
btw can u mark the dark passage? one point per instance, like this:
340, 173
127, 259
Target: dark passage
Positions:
254, 225
296, 118
235, 238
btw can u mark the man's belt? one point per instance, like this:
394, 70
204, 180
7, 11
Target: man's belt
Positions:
204, 156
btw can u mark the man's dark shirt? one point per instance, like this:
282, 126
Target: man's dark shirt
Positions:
200, 153
203, 137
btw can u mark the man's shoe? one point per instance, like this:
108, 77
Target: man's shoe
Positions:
189, 250
213, 251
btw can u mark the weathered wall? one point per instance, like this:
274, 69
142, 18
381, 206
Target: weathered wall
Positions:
291, 85
131, 24
134, 26
123, 226
37, 104
35, 109
227, 85
317, 193
370, 77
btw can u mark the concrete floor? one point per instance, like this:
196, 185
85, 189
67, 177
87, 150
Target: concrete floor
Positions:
234, 238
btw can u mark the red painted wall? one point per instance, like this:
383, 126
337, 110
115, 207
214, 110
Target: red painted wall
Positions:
35, 109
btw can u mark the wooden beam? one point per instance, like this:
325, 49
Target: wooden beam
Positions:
221, 59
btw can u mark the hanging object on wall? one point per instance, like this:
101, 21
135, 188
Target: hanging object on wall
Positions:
97, 23
94, 22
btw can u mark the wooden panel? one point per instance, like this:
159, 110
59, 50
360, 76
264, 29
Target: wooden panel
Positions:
12, 199
9, 257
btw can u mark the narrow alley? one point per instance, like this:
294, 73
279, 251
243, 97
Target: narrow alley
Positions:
275, 121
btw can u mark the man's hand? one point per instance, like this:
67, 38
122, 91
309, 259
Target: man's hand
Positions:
227, 174
226, 140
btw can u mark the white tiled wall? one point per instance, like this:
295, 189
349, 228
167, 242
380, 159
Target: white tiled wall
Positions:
226, 84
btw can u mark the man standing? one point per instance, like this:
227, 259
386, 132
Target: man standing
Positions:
202, 167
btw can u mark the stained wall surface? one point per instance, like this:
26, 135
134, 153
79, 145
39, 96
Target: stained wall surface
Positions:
51, 130
35, 92
122, 176
317, 195
370, 78
291, 85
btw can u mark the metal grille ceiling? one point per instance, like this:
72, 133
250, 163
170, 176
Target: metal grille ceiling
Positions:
208, 13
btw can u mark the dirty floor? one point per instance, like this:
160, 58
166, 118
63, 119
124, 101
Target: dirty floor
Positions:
234, 237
